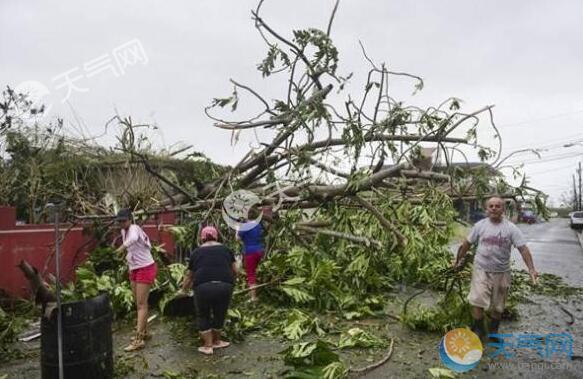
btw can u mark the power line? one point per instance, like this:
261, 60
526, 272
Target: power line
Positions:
557, 142
558, 158
549, 170
561, 144
548, 160
551, 117
552, 158
557, 185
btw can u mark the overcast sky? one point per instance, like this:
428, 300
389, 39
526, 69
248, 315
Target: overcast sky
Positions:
525, 57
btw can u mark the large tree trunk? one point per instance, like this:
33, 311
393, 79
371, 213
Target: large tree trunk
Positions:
42, 294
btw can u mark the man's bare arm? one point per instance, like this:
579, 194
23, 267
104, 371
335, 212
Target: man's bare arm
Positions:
461, 253
527, 258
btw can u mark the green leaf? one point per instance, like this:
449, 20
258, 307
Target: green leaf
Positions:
294, 281
310, 355
357, 337
297, 295
335, 370
438, 372
301, 350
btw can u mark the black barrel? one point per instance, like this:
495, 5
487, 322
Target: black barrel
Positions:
87, 343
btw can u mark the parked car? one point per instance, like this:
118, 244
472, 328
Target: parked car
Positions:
577, 220
528, 216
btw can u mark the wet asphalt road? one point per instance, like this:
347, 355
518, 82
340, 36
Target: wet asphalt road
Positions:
555, 250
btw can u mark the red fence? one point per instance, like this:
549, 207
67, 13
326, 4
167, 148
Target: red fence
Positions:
35, 244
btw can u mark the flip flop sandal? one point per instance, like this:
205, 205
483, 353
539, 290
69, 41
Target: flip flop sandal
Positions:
221, 345
206, 350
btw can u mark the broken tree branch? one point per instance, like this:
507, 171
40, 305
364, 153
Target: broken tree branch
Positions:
315, 223
42, 294
386, 223
333, 233
425, 175
377, 364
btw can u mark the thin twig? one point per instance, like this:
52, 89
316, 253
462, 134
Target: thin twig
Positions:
386, 223
329, 29
244, 290
251, 125
295, 49
333, 233
258, 96
377, 364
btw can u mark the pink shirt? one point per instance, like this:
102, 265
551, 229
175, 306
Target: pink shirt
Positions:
138, 247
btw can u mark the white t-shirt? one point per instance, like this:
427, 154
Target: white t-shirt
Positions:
138, 247
495, 241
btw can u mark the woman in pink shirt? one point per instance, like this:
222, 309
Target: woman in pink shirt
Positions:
142, 270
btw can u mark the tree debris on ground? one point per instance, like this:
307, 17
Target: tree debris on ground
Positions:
361, 209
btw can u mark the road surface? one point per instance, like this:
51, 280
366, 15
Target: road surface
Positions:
555, 250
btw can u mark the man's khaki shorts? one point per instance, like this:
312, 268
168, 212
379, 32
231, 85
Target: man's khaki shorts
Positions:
489, 289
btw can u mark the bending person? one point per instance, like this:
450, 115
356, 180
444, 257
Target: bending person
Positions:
211, 273
142, 272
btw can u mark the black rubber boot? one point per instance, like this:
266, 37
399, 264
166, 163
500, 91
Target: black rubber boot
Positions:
478, 328
494, 325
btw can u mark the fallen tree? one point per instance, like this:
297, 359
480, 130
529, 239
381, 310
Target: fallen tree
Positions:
320, 133
361, 209
360, 206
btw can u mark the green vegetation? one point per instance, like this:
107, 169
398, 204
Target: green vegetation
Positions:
313, 360
107, 272
13, 320
342, 241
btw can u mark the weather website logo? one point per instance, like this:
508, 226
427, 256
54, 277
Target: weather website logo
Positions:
460, 350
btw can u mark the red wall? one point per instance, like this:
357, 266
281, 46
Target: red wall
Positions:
35, 244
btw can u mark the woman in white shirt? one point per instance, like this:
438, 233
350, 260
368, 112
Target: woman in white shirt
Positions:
142, 271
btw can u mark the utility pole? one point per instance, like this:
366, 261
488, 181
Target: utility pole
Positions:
575, 196
55, 208
579, 202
